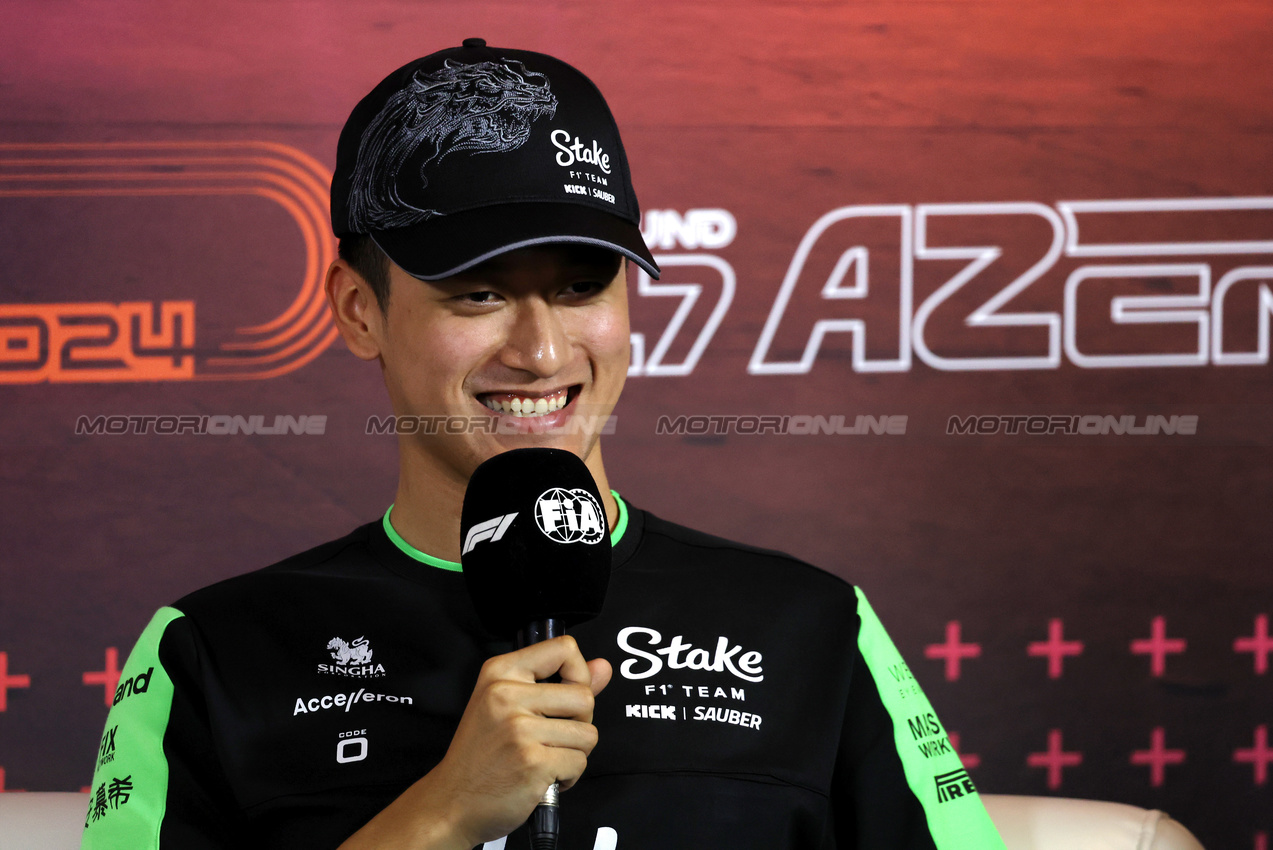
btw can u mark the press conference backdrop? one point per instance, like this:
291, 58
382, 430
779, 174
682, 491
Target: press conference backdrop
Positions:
967, 302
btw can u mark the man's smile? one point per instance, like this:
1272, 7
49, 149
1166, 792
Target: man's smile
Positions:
524, 404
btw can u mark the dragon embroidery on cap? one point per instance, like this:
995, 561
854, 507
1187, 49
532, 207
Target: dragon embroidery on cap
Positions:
486, 107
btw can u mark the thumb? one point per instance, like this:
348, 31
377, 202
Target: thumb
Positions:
601, 673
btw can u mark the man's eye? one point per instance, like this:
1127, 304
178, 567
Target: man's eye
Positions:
484, 296
583, 288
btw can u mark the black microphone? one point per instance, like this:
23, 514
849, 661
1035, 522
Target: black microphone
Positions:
535, 548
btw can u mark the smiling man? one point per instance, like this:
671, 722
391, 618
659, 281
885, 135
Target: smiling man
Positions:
535, 340
350, 697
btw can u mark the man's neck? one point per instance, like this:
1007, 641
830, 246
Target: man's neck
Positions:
427, 506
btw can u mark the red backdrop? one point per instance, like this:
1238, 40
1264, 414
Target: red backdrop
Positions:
877, 209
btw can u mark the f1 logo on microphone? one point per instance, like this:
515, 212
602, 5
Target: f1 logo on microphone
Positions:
491, 529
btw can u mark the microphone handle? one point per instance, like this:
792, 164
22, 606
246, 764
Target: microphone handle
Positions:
545, 821
539, 630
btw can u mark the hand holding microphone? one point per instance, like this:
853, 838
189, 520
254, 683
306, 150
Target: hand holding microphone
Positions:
536, 558
517, 737
536, 554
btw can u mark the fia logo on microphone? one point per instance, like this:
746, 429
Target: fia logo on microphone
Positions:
570, 516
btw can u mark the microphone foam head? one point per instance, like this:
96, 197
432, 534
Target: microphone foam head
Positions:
534, 540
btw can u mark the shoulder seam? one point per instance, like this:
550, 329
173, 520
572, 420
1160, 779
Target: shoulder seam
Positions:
721, 543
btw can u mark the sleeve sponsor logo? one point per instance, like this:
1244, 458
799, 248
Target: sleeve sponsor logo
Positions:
109, 797
928, 732
106, 752
138, 684
953, 785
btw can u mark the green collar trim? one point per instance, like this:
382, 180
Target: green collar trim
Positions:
425, 558
412, 552
622, 525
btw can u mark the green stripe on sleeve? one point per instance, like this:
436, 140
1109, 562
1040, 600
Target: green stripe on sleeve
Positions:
130, 782
956, 818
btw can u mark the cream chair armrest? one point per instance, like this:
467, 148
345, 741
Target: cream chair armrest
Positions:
1057, 823
42, 820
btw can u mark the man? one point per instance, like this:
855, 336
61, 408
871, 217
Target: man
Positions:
349, 696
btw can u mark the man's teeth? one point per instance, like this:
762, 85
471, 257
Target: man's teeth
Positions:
526, 406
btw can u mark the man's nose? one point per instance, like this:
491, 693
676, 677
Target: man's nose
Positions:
537, 342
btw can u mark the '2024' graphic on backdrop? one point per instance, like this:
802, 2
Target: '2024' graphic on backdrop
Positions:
837, 283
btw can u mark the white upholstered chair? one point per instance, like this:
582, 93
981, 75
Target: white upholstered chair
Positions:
53, 821
41, 821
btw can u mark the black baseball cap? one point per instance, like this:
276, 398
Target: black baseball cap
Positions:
474, 151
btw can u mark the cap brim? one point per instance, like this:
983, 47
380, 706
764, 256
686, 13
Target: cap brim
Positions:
446, 245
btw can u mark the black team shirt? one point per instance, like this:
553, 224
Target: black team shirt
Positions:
756, 703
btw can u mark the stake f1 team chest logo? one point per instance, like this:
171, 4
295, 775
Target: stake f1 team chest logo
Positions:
353, 658
694, 695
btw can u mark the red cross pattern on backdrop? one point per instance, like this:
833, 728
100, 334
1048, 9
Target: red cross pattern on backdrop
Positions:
1158, 646
108, 678
953, 651
8, 681
1054, 758
1259, 645
1055, 649
1258, 756
1157, 756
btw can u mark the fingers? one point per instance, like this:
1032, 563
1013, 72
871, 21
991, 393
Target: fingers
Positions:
518, 734
540, 661
563, 700
559, 733
570, 768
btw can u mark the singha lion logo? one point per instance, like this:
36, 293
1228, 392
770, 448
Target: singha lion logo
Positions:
483, 108
357, 652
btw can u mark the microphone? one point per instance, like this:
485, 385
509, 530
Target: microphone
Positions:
535, 550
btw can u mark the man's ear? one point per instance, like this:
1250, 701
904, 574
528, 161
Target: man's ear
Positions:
355, 310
